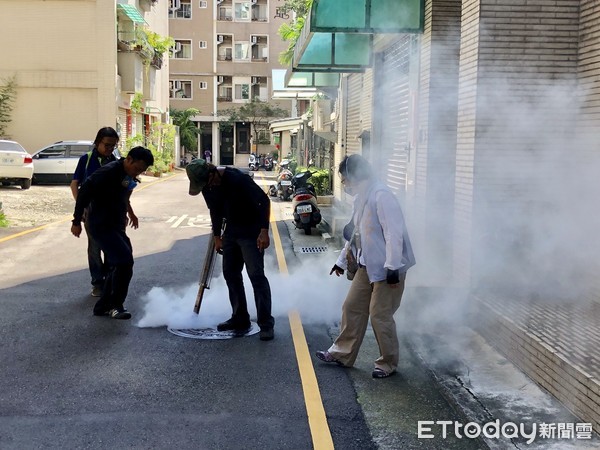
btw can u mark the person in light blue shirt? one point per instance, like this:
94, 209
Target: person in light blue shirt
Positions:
378, 244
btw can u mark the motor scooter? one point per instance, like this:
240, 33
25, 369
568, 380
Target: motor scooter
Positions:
253, 162
284, 189
304, 203
268, 163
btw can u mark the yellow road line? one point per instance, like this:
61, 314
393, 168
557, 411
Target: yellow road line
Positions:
33, 230
66, 219
317, 419
278, 247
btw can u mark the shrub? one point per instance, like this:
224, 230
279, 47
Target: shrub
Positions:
319, 179
3, 221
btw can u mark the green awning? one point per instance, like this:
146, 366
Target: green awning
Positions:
332, 52
131, 12
311, 79
367, 16
338, 34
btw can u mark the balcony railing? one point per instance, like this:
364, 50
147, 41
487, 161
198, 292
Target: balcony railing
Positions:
227, 98
226, 17
224, 57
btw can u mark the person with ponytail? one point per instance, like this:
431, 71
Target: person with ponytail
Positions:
378, 246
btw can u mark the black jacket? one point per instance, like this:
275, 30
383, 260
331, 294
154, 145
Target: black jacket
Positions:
241, 202
107, 194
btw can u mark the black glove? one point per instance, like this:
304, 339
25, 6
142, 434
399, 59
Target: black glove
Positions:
393, 276
337, 269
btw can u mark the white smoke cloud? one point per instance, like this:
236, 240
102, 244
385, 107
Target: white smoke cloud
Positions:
309, 290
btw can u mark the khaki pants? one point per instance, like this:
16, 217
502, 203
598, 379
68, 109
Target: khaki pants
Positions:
379, 301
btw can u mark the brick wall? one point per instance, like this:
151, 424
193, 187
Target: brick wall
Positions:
551, 368
516, 113
465, 144
436, 140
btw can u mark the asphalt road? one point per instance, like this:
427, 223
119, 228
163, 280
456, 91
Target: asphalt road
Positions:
72, 380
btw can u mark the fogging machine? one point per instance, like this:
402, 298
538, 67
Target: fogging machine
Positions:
207, 272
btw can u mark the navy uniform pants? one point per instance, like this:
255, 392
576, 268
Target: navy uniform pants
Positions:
119, 258
237, 252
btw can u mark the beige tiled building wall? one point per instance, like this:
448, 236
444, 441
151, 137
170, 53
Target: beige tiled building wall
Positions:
64, 56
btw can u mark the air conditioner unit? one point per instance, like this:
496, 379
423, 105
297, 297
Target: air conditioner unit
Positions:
220, 38
174, 4
255, 80
220, 79
254, 39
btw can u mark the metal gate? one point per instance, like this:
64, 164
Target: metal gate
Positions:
391, 114
353, 102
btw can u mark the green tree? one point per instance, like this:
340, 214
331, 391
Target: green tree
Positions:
255, 112
8, 95
160, 141
290, 32
188, 130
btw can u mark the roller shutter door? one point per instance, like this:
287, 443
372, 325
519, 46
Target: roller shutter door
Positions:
392, 97
353, 103
122, 125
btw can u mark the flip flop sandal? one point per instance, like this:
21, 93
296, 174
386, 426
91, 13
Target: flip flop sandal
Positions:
326, 357
380, 373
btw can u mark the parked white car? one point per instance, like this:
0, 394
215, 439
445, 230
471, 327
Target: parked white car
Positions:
57, 162
16, 165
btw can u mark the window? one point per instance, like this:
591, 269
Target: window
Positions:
224, 94
242, 11
180, 89
242, 92
182, 49
224, 53
203, 85
56, 151
264, 137
242, 51
203, 4
180, 9
260, 13
224, 13
77, 150
203, 44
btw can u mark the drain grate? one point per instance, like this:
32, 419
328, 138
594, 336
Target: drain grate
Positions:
210, 333
312, 249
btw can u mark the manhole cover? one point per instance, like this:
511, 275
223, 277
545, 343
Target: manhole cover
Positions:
312, 249
210, 333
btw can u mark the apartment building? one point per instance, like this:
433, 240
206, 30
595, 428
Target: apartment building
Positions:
224, 54
80, 64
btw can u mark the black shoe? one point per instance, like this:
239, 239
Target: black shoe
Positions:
266, 334
119, 313
233, 325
